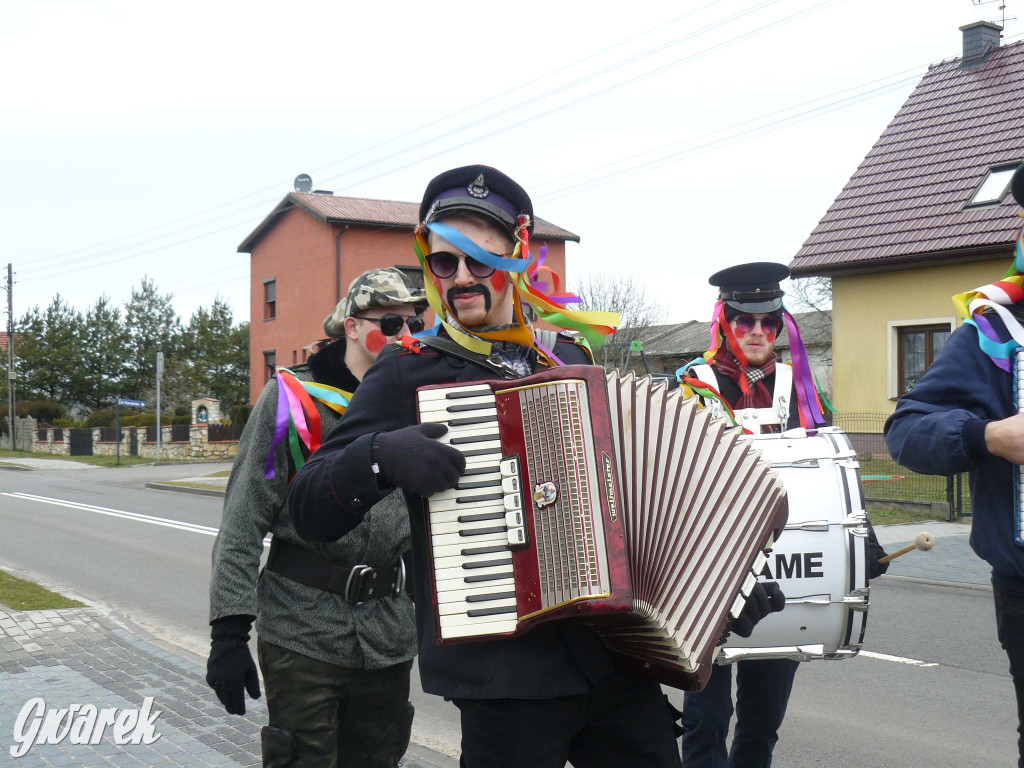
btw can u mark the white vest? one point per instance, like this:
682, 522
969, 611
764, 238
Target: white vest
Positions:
755, 418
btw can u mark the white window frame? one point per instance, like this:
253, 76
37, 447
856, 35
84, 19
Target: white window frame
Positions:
892, 337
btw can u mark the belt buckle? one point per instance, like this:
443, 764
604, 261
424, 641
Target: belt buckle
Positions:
400, 579
354, 585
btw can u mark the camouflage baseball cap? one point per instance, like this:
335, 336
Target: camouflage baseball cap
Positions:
387, 287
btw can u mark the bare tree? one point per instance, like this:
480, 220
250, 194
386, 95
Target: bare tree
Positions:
615, 293
809, 294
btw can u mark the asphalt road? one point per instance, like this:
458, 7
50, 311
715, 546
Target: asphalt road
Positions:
931, 689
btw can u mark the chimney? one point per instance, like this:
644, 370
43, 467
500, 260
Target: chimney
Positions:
980, 38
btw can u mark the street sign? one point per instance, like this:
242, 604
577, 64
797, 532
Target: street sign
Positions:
131, 403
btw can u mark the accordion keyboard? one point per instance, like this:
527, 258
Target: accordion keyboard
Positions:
474, 526
1018, 475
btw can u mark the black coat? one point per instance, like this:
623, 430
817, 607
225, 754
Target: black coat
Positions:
337, 486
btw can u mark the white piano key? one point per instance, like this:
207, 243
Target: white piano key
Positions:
460, 593
447, 505
457, 608
496, 508
455, 526
453, 544
472, 630
462, 619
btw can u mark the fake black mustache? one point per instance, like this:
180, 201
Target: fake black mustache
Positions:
453, 292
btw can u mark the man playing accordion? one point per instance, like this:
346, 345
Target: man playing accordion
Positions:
552, 694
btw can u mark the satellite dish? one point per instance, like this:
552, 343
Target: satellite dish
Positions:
303, 182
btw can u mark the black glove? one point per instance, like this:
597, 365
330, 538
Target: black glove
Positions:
230, 670
411, 458
764, 598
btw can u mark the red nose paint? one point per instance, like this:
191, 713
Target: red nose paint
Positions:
498, 281
375, 341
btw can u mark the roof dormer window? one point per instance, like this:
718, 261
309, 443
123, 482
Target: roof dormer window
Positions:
994, 188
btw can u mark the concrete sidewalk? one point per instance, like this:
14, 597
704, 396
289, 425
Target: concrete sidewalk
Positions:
81, 656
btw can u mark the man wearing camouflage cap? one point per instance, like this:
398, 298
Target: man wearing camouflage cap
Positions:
335, 626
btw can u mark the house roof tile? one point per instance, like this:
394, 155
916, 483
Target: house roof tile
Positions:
360, 210
908, 198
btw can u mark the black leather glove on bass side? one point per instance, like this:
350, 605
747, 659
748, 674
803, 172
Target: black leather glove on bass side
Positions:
764, 598
411, 459
230, 670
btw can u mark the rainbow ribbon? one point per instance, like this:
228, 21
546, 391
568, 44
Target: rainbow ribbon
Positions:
298, 419
808, 393
595, 327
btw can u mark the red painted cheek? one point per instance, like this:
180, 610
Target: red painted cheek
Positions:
770, 337
375, 341
437, 285
498, 281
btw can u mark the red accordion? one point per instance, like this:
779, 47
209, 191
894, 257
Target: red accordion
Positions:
601, 497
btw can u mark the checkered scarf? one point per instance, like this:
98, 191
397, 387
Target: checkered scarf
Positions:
750, 380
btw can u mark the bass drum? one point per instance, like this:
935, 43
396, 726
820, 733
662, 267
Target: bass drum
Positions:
819, 560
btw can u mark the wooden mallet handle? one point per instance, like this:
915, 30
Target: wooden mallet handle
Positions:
923, 541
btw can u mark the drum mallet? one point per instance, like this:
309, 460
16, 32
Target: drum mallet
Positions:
922, 541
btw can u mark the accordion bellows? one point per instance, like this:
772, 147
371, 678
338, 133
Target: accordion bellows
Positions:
604, 498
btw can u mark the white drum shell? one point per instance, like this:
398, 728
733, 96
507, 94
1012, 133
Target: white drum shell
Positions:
820, 559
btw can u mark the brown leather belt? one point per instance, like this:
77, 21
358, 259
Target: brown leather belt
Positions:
357, 583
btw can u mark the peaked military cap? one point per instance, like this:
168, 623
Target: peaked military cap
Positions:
1017, 185
751, 287
386, 287
478, 189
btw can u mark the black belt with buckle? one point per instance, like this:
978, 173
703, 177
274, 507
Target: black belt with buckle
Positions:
357, 583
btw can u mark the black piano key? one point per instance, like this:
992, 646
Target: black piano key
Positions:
482, 516
490, 469
478, 499
469, 407
490, 611
484, 531
477, 484
487, 577
491, 596
472, 439
481, 452
466, 420
459, 395
485, 564
484, 550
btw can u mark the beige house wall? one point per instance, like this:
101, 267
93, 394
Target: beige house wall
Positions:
866, 313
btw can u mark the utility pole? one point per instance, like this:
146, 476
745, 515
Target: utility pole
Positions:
159, 375
10, 352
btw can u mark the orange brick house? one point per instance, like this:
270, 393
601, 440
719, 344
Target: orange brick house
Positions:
305, 253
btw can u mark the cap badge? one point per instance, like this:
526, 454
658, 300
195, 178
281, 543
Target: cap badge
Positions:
479, 187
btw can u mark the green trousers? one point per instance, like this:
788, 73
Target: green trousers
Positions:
325, 716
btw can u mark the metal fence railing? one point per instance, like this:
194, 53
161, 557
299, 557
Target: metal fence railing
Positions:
883, 479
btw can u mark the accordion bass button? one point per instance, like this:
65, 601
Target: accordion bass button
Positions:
517, 537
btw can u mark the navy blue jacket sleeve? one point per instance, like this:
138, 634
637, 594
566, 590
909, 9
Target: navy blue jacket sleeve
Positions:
330, 495
938, 427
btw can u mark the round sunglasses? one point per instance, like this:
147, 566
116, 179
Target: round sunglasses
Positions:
769, 324
391, 325
444, 264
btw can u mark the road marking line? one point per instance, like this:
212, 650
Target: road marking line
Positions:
898, 659
162, 521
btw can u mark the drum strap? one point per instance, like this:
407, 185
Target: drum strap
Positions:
750, 418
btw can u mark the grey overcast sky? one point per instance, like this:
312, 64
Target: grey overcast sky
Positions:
675, 138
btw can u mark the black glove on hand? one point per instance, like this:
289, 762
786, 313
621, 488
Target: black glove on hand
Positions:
411, 458
764, 598
230, 670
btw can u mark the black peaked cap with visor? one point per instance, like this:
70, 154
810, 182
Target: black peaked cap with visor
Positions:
477, 189
753, 287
